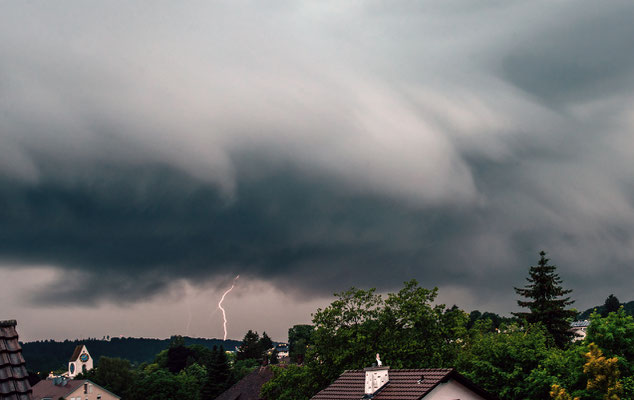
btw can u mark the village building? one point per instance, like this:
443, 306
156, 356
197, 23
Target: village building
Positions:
282, 350
382, 383
14, 383
70, 389
579, 329
80, 361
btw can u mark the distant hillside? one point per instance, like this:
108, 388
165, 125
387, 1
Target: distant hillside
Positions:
629, 308
49, 355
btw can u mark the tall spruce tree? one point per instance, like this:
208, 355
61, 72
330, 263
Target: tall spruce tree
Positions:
546, 301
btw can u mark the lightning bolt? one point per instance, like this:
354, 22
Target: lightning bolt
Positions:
224, 314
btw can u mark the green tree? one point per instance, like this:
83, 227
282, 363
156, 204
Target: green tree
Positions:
546, 301
114, 374
299, 339
242, 368
346, 334
612, 304
502, 362
406, 329
265, 342
250, 347
273, 357
295, 382
219, 376
563, 367
177, 357
414, 333
614, 334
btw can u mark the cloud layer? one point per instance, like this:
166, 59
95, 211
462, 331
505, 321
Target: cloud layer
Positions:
316, 146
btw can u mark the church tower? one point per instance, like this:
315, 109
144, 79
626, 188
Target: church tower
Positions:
80, 361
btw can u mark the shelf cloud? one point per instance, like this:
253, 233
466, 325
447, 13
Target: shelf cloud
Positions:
316, 146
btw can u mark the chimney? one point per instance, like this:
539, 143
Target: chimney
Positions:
375, 378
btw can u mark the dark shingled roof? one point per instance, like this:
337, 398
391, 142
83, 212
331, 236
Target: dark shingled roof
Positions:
76, 353
248, 388
404, 384
14, 383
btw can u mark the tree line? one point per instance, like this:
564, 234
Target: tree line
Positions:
48, 355
187, 372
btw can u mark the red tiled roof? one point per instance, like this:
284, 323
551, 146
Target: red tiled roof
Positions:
404, 384
14, 384
48, 389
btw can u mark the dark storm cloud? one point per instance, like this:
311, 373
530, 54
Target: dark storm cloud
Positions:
137, 231
316, 146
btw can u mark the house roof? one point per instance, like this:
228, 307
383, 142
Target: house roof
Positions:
248, 388
403, 384
48, 388
580, 324
76, 353
14, 383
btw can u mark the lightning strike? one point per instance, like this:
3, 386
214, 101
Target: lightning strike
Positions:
224, 315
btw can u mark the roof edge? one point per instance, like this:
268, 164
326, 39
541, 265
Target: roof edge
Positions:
115, 395
8, 322
469, 384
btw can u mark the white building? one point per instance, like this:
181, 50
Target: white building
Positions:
579, 329
80, 361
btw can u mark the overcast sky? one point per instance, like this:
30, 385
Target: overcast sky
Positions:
151, 151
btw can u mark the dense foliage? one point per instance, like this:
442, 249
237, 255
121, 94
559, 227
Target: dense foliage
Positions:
191, 372
299, 340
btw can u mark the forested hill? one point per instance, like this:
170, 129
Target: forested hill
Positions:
49, 355
628, 307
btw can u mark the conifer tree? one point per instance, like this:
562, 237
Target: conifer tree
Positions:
218, 375
612, 304
546, 301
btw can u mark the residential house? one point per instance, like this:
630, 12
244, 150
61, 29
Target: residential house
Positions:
70, 389
382, 383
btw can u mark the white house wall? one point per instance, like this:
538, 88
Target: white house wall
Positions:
452, 390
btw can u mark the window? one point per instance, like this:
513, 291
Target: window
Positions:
85, 388
89, 388
98, 397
